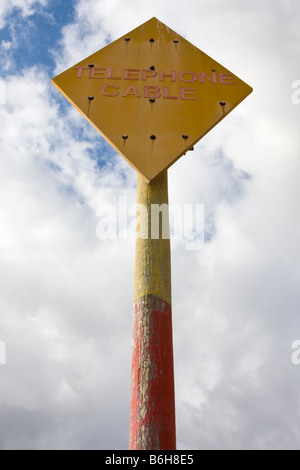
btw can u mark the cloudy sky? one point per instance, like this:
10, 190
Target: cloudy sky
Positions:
66, 296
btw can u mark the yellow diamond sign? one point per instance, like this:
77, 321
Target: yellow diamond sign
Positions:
152, 95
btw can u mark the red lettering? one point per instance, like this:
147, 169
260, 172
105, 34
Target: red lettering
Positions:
129, 72
225, 76
105, 93
166, 95
194, 77
79, 71
212, 79
152, 92
110, 75
132, 90
97, 72
172, 75
187, 93
148, 73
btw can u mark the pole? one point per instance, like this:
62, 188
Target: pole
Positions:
152, 415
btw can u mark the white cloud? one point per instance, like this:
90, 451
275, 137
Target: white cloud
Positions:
66, 296
27, 8
52, 189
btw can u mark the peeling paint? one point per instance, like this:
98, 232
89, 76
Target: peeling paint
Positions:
153, 259
152, 417
152, 422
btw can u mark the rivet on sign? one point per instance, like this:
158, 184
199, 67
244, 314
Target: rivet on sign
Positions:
124, 136
152, 40
127, 39
91, 65
222, 103
176, 41
152, 137
185, 136
152, 67
91, 98
152, 100
213, 70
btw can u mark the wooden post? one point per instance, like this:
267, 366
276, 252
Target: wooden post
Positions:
152, 417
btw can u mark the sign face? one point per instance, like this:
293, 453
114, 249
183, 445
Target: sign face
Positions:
152, 95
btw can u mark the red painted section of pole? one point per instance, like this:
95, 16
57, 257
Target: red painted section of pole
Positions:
152, 421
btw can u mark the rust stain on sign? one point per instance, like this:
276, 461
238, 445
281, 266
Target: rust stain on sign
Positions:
152, 95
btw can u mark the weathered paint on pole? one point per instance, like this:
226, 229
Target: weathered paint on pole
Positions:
152, 417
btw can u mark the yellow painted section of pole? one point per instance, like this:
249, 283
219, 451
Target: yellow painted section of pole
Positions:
153, 259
